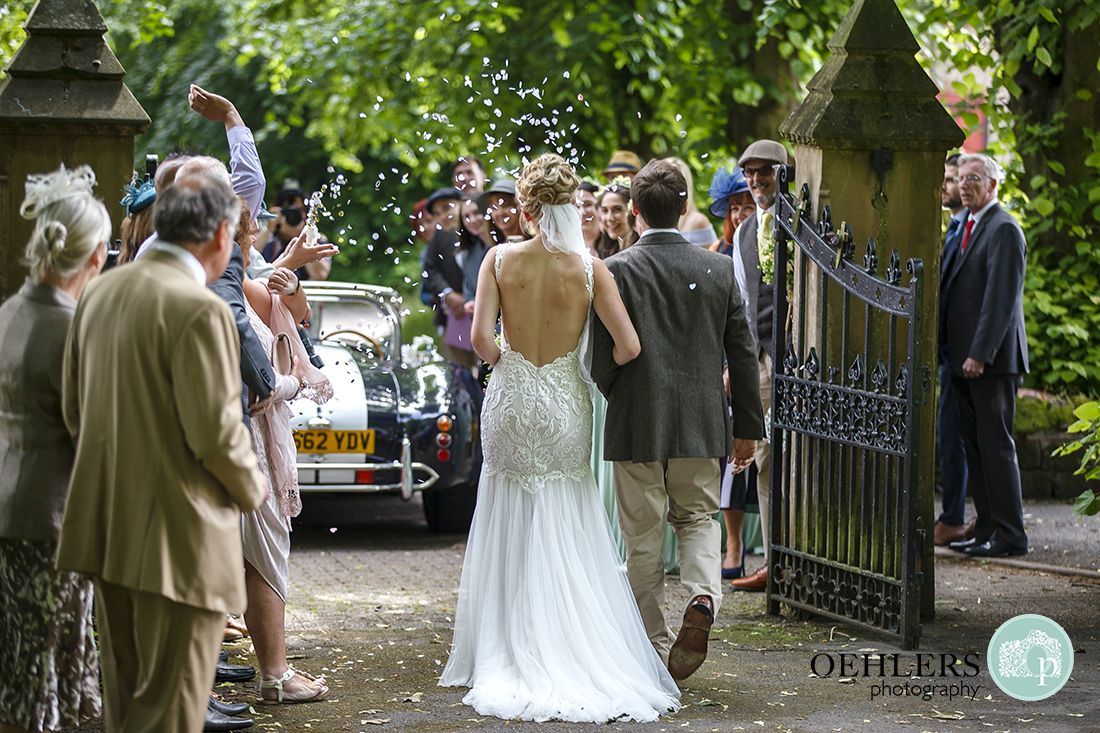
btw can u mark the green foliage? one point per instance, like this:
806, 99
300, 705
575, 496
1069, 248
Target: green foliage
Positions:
1032, 69
1035, 415
1088, 423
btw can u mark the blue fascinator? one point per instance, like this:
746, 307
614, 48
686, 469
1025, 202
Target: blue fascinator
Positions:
138, 196
725, 184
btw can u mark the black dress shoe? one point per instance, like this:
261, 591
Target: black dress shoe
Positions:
234, 673
962, 545
220, 721
227, 708
994, 548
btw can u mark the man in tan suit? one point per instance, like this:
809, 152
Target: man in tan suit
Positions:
164, 465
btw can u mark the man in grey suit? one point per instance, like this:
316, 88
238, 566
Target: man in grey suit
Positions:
984, 321
668, 428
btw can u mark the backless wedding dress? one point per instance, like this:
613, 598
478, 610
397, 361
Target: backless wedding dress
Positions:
546, 625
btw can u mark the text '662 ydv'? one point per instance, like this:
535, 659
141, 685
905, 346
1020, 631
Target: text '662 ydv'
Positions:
401, 420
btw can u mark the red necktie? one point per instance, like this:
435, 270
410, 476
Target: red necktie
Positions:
969, 226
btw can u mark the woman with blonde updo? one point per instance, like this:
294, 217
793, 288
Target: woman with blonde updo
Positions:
546, 625
49, 674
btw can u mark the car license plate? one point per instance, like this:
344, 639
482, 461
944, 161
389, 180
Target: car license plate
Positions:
334, 441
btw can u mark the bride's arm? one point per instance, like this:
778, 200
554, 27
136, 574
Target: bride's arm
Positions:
609, 307
486, 306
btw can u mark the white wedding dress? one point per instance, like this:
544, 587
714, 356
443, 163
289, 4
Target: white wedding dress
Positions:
546, 625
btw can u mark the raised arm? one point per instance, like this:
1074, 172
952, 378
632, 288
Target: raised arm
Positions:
609, 307
244, 161
486, 307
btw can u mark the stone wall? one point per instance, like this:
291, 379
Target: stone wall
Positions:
1046, 477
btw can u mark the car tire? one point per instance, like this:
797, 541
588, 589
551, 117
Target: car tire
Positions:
450, 511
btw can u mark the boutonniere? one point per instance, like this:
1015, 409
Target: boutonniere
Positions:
765, 251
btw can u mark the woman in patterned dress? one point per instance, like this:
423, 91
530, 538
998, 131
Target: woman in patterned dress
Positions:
49, 673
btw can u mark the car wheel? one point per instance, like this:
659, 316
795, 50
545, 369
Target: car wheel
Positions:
450, 510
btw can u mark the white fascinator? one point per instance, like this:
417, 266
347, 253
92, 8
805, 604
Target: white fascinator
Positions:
43, 189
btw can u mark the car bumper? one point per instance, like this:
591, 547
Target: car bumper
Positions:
413, 476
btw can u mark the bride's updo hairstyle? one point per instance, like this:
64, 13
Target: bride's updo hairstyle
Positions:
546, 181
69, 223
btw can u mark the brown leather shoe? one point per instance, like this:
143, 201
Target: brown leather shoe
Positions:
944, 534
689, 651
758, 581
970, 528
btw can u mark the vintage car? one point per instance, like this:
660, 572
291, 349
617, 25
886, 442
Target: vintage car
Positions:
401, 419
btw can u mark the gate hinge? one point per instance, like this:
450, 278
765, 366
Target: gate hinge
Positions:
925, 385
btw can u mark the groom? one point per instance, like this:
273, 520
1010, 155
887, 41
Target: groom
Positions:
668, 428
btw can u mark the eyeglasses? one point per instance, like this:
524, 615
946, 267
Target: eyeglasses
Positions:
764, 170
967, 179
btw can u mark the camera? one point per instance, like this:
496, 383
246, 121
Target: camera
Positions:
292, 214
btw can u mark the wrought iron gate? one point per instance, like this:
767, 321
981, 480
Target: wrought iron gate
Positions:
845, 428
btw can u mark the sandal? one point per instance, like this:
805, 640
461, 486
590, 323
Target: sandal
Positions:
289, 675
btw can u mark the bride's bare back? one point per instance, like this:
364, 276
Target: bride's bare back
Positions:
543, 301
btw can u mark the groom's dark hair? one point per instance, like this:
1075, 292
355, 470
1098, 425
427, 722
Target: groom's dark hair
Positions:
659, 190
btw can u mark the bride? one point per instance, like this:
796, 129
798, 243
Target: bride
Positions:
546, 625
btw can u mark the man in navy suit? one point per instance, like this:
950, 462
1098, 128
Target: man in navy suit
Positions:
984, 321
950, 526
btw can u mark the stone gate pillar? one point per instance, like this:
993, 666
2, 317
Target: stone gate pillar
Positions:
63, 101
870, 140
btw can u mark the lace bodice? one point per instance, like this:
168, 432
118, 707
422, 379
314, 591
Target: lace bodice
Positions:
537, 420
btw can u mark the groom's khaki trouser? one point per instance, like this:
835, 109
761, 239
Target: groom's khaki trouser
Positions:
692, 487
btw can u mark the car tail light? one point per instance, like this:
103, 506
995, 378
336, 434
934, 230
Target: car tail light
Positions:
364, 477
443, 455
443, 422
443, 440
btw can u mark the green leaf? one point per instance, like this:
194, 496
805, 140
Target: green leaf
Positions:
1093, 161
1057, 167
1087, 504
1087, 411
1046, 13
1037, 181
1032, 39
1084, 94
1044, 56
1043, 205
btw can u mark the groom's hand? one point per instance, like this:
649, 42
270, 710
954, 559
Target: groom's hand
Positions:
744, 451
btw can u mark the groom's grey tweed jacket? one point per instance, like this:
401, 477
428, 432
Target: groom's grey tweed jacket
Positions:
669, 402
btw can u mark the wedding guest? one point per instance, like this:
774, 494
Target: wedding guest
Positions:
623, 163
170, 385
694, 226
474, 240
733, 202
443, 277
468, 176
49, 674
275, 306
754, 242
617, 229
139, 200
499, 203
590, 225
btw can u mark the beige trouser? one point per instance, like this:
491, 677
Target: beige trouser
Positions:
691, 487
466, 358
157, 658
763, 455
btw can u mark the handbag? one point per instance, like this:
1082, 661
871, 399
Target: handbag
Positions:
280, 354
